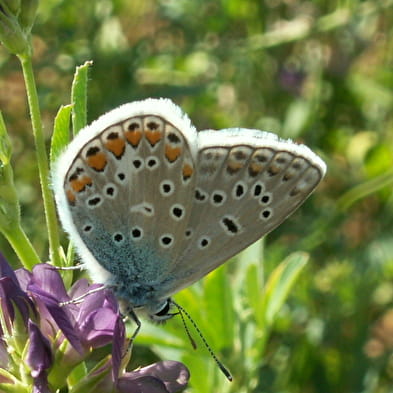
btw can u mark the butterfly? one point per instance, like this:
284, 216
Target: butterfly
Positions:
152, 205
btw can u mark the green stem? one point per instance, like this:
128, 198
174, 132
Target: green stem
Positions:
10, 219
364, 189
22, 246
42, 160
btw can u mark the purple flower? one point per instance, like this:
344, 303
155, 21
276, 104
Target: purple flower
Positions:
11, 296
39, 358
60, 337
161, 377
166, 376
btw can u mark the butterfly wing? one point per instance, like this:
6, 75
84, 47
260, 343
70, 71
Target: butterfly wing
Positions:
121, 188
248, 182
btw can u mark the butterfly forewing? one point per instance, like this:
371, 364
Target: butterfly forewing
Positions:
128, 191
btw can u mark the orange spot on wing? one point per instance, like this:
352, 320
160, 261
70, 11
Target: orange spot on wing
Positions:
188, 170
71, 197
153, 136
97, 161
254, 169
116, 146
79, 184
172, 153
234, 167
133, 137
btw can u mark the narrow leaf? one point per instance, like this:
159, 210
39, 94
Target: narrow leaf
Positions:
61, 132
279, 284
78, 373
79, 97
252, 288
89, 383
219, 308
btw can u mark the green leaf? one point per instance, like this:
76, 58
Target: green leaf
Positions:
219, 308
297, 116
76, 375
252, 288
251, 256
279, 284
205, 374
89, 383
79, 97
13, 388
61, 132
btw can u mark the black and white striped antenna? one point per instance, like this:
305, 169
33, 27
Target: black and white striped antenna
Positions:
212, 354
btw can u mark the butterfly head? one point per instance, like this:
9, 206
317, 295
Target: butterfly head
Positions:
157, 312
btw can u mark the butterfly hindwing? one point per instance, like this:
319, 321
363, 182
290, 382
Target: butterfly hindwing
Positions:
248, 182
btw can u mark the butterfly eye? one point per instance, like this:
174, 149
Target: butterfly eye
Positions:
164, 310
163, 313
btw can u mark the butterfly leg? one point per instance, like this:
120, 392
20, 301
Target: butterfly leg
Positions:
80, 298
73, 267
131, 313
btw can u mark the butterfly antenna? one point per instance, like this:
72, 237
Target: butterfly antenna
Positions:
212, 354
186, 329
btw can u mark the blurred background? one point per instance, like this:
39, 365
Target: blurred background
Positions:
319, 72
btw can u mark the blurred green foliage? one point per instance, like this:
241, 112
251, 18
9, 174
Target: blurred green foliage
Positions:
316, 71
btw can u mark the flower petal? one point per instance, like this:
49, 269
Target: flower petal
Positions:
59, 315
12, 295
79, 288
174, 375
95, 301
24, 277
39, 355
50, 281
118, 347
141, 385
98, 327
6, 270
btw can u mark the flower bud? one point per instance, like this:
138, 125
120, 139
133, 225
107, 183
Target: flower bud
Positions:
27, 15
16, 20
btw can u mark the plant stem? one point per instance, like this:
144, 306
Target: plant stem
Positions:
10, 220
42, 159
